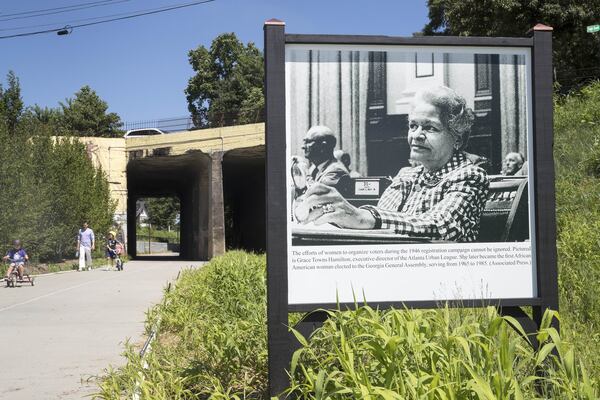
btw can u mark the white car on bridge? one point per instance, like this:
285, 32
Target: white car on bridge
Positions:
143, 132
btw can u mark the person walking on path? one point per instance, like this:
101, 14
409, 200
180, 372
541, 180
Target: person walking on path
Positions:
86, 243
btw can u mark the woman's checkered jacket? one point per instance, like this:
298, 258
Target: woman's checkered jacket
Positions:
442, 205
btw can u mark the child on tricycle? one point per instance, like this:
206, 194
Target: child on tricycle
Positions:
17, 257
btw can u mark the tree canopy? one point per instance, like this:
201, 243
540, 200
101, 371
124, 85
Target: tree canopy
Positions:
86, 115
162, 211
576, 52
11, 103
227, 88
49, 186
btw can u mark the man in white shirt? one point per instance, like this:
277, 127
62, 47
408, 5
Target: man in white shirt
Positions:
86, 243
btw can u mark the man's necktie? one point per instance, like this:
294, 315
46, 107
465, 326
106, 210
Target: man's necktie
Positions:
314, 173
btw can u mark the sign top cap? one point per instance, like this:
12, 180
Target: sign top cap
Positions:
274, 21
542, 27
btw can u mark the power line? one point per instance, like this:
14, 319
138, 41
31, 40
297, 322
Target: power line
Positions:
137, 14
54, 8
62, 24
58, 10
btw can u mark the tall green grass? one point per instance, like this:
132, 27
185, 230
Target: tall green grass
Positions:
577, 158
212, 337
212, 345
434, 354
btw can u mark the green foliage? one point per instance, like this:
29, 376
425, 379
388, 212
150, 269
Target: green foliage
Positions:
212, 345
157, 235
11, 103
228, 86
86, 115
574, 49
160, 381
162, 211
42, 120
212, 337
434, 354
48, 188
577, 157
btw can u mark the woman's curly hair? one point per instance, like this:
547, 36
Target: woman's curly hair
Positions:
454, 113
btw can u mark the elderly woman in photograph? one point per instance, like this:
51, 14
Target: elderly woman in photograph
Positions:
441, 198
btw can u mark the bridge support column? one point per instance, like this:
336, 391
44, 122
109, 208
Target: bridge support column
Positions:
131, 226
216, 215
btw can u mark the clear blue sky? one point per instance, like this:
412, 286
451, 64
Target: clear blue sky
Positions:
140, 67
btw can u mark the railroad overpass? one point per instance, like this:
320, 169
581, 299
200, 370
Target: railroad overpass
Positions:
211, 171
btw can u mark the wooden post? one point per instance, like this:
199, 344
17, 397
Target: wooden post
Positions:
277, 303
543, 140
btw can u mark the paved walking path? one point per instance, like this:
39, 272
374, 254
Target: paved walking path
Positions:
58, 336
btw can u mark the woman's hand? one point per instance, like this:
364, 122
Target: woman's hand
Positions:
323, 204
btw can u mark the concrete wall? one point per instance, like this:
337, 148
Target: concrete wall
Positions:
112, 154
188, 165
205, 140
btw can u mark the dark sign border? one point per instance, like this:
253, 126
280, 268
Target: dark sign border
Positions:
280, 341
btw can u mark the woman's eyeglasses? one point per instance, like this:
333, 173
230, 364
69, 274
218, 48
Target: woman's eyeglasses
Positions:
425, 128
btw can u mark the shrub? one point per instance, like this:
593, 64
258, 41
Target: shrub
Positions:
212, 339
49, 187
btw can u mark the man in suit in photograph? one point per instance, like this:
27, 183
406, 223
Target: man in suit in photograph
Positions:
319, 144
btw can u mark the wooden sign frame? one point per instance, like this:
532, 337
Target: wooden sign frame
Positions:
280, 342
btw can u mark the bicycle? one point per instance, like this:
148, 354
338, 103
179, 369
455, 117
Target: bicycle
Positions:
116, 253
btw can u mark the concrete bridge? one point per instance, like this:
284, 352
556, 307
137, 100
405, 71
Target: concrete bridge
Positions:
211, 171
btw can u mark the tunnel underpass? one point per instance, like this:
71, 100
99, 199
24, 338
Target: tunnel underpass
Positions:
222, 198
244, 198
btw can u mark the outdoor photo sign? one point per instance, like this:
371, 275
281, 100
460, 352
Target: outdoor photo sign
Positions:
407, 172
432, 251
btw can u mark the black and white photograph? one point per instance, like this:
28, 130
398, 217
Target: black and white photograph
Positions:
407, 149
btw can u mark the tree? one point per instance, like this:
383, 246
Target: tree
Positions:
162, 211
86, 115
42, 120
228, 86
11, 103
49, 185
45, 115
576, 53
48, 188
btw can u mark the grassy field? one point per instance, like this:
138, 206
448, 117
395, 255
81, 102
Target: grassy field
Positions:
212, 338
577, 158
